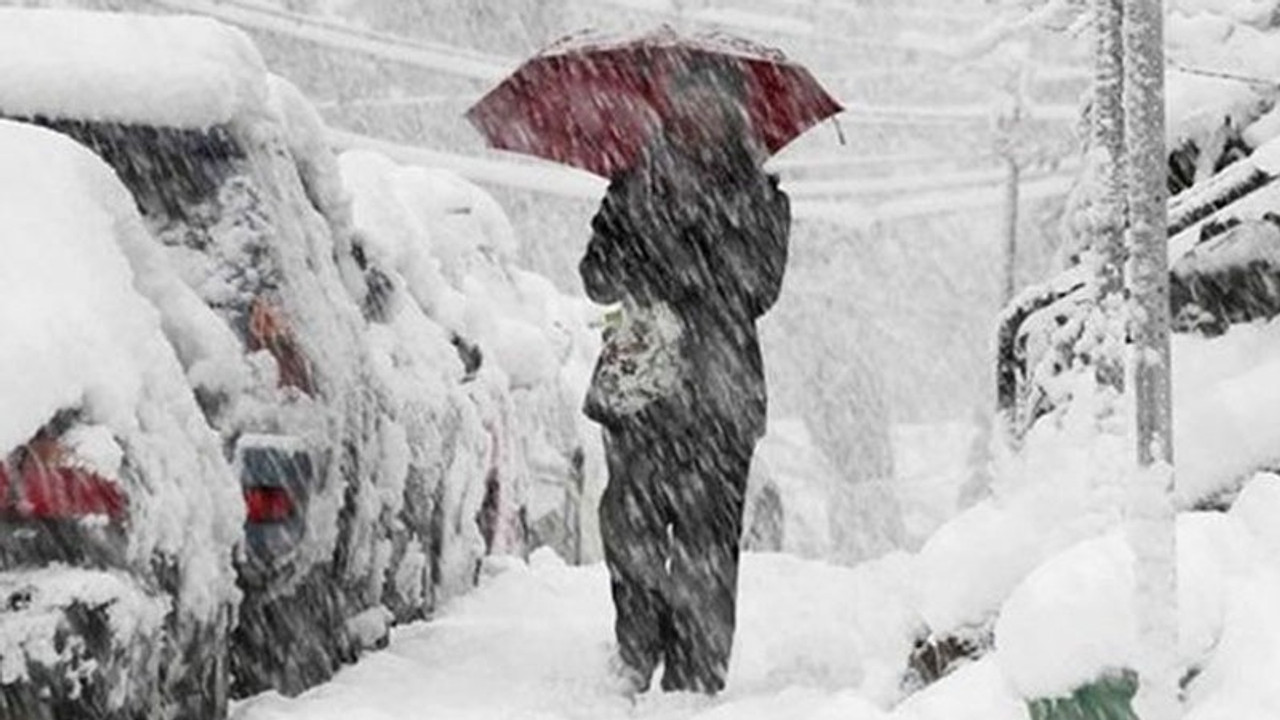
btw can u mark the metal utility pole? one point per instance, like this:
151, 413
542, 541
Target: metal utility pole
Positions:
1011, 229
1151, 521
1013, 146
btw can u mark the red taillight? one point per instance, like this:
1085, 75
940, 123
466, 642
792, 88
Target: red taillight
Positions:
65, 493
267, 504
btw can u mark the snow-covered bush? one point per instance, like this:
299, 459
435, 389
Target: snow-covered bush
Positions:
1073, 620
1209, 112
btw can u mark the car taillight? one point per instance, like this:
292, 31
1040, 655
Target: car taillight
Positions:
267, 504
61, 493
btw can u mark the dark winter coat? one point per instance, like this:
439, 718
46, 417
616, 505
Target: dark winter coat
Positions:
710, 241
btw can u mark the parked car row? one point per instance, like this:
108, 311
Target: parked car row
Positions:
359, 447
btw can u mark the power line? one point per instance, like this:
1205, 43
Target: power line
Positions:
551, 179
928, 204
814, 161
539, 176
1205, 72
392, 102
389, 38
847, 8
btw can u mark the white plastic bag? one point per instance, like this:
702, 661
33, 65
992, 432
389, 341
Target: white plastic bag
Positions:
641, 362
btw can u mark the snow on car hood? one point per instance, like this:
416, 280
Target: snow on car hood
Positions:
184, 72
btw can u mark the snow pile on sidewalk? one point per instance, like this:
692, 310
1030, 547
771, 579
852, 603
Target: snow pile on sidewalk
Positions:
180, 72
1065, 485
79, 336
1074, 617
534, 640
1225, 391
1043, 566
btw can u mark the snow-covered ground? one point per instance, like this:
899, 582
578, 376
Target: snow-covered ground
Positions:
814, 641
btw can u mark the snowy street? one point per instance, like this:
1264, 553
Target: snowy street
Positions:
474, 359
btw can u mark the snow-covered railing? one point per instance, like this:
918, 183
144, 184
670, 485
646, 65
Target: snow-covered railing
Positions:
431, 56
566, 182
912, 183
746, 20
926, 205
948, 113
813, 160
538, 176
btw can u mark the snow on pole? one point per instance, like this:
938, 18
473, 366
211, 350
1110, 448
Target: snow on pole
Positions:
1106, 122
1150, 512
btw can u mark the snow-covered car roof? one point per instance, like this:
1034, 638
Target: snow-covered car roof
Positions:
174, 71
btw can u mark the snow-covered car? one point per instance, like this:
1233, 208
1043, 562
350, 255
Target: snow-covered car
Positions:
118, 515
445, 252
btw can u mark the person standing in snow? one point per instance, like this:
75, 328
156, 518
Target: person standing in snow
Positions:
692, 242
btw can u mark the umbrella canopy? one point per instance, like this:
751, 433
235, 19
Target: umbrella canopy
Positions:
593, 101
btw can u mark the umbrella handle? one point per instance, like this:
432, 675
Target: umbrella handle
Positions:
839, 130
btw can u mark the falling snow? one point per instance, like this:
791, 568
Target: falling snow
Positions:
679, 360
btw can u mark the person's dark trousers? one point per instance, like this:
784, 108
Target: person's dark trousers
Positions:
671, 521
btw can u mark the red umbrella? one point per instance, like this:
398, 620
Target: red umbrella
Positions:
592, 102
